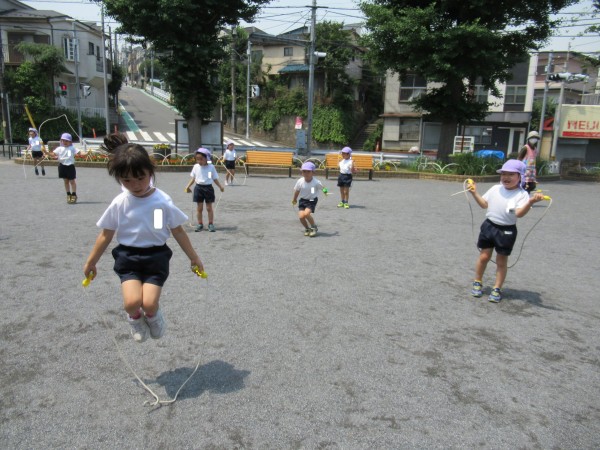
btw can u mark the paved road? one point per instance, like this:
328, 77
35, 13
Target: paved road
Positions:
363, 337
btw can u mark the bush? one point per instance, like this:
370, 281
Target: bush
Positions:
469, 164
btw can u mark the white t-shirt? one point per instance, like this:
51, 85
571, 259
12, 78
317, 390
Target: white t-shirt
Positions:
345, 166
35, 143
503, 203
135, 219
66, 155
204, 174
308, 190
229, 155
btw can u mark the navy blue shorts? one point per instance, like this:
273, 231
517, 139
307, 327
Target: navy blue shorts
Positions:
204, 193
230, 164
149, 265
344, 179
37, 154
306, 203
500, 237
67, 172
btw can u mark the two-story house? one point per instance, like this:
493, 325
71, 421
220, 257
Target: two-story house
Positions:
80, 42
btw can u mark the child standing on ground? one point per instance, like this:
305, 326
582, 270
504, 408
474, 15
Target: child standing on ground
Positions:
308, 188
65, 154
345, 178
204, 175
505, 202
528, 155
142, 217
229, 158
35, 147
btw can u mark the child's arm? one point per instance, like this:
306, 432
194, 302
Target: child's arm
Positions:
99, 248
218, 183
184, 242
478, 198
295, 197
352, 168
187, 188
537, 197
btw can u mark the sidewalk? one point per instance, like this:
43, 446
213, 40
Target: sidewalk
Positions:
363, 337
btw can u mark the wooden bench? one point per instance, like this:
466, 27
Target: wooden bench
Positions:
269, 159
361, 162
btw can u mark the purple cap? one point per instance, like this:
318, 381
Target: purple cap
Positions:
513, 165
346, 150
229, 142
34, 130
308, 166
204, 151
66, 137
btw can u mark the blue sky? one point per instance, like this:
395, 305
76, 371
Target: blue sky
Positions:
283, 15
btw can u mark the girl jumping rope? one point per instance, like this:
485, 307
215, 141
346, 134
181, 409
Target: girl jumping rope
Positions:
142, 217
307, 188
35, 147
345, 178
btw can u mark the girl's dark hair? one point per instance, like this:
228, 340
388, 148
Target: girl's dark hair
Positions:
130, 160
112, 141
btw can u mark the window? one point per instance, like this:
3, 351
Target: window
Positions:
411, 86
256, 55
480, 94
409, 130
482, 135
90, 48
69, 48
97, 53
515, 95
288, 51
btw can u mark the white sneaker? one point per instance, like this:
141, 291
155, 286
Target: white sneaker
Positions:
156, 325
139, 329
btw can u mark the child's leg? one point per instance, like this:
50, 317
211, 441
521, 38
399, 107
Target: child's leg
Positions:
137, 295
209, 211
73, 184
199, 211
66, 185
302, 216
501, 270
484, 257
346, 193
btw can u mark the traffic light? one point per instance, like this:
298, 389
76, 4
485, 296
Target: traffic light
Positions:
63, 88
255, 92
87, 90
564, 76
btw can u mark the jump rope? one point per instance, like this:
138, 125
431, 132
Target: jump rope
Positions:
467, 185
45, 157
157, 401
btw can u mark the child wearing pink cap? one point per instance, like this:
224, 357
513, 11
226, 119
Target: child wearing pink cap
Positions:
229, 158
308, 188
345, 177
505, 203
204, 175
65, 154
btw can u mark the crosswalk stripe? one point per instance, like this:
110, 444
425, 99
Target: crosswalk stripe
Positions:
146, 136
172, 136
245, 143
131, 136
160, 136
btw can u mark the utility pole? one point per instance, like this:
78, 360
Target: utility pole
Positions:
558, 108
311, 75
233, 93
249, 57
77, 87
4, 98
546, 83
106, 110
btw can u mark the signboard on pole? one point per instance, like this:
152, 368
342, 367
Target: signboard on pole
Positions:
580, 121
298, 123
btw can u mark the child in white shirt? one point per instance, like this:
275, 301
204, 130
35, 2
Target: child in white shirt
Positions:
308, 188
65, 154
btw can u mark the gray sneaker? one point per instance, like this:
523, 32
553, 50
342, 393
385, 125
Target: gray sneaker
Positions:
157, 325
313, 232
139, 329
211, 227
199, 227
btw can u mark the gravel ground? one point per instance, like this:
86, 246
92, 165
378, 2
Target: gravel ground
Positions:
362, 337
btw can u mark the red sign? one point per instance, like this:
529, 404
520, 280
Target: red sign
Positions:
298, 123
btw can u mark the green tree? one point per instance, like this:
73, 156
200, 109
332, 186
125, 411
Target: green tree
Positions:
456, 44
536, 112
186, 33
116, 82
332, 39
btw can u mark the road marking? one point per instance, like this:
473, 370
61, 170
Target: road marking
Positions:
172, 135
160, 136
146, 136
128, 119
245, 143
131, 136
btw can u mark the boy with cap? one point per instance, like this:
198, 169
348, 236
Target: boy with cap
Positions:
307, 188
65, 154
37, 153
345, 177
204, 174
505, 202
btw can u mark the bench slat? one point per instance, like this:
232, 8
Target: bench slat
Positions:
277, 159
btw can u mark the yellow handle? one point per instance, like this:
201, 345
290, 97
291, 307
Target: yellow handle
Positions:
547, 197
88, 279
196, 270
